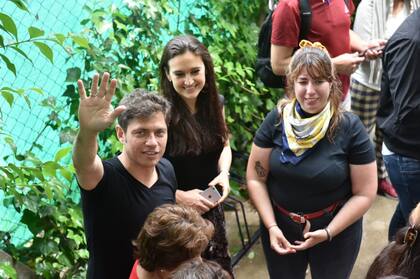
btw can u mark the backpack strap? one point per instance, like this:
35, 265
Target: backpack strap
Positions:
347, 3
305, 18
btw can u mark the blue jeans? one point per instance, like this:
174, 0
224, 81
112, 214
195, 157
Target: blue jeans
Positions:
404, 173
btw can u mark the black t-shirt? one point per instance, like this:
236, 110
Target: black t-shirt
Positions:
114, 213
323, 177
195, 171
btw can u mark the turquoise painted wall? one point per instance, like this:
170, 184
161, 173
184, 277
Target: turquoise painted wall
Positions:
27, 124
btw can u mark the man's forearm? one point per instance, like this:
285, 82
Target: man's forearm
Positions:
84, 150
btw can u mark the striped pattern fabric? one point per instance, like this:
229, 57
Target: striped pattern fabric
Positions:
365, 104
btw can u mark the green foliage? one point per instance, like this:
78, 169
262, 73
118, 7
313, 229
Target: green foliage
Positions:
123, 41
39, 190
232, 43
7, 270
128, 44
9, 39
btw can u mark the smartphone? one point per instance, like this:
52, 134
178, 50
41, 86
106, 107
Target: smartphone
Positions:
361, 54
211, 194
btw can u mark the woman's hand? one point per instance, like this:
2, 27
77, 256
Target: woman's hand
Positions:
223, 180
311, 239
279, 243
193, 199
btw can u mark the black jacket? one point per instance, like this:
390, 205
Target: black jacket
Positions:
399, 111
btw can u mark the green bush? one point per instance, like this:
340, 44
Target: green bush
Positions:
127, 42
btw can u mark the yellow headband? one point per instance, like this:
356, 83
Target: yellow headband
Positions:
305, 43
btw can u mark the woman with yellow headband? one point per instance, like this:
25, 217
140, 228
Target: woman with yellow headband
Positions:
311, 174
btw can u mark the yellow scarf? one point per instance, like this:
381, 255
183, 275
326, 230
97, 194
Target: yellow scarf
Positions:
304, 133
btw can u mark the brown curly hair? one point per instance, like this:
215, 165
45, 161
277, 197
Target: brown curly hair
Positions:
171, 235
400, 257
200, 269
318, 64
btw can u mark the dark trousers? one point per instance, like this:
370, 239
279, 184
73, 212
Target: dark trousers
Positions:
327, 260
404, 173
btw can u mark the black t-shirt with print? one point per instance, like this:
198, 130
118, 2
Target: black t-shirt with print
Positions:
323, 177
115, 211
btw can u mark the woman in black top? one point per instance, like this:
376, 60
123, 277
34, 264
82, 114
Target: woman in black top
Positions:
198, 144
311, 174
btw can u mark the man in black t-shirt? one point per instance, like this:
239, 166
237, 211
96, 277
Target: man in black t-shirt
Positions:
119, 193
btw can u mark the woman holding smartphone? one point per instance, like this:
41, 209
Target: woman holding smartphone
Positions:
198, 143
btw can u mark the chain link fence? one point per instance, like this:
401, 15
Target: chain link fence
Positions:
28, 124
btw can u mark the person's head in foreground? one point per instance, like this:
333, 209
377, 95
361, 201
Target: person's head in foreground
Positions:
171, 235
402, 256
200, 269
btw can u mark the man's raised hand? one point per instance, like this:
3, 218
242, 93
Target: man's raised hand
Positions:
95, 111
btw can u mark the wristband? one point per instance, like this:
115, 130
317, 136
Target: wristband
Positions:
328, 234
225, 171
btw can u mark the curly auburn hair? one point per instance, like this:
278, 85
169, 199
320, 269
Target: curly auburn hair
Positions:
400, 257
318, 64
200, 269
171, 235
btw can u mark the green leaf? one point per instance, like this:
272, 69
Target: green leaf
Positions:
62, 153
9, 25
11, 143
7, 270
68, 175
81, 41
35, 32
60, 38
27, 100
45, 50
21, 52
8, 97
73, 74
1, 41
50, 168
9, 64
32, 220
20, 4
37, 90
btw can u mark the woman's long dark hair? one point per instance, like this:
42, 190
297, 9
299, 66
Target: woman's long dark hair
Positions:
193, 134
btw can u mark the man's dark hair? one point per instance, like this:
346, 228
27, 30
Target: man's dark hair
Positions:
142, 104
